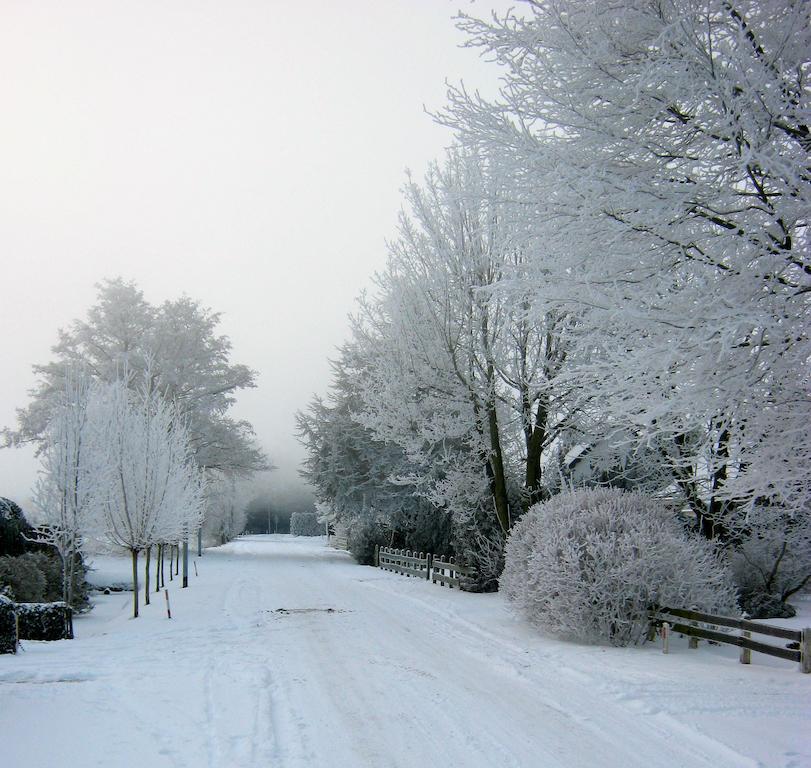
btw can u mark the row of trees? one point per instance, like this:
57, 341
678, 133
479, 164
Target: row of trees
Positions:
604, 282
132, 429
117, 464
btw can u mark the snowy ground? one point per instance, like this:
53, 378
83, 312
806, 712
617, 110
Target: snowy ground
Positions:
283, 653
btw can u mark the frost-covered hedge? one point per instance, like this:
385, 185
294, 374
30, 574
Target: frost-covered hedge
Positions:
44, 621
305, 524
8, 626
591, 564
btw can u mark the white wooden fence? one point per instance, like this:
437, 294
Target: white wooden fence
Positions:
422, 565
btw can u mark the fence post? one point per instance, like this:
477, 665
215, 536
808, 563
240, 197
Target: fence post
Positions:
746, 653
665, 637
428, 559
805, 651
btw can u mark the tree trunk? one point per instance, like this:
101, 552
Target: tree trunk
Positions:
185, 562
146, 575
200, 541
177, 559
535, 443
134, 553
498, 479
65, 580
158, 569
171, 561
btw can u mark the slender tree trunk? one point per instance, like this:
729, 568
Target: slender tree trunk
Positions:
71, 577
65, 575
146, 575
134, 553
200, 541
185, 562
171, 562
177, 559
158, 568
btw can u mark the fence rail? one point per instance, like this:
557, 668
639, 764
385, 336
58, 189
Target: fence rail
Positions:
798, 651
422, 565
448, 573
405, 562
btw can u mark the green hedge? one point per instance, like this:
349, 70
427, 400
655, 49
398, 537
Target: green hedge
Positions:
44, 621
8, 626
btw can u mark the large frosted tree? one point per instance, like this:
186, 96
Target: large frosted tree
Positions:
460, 371
174, 345
661, 157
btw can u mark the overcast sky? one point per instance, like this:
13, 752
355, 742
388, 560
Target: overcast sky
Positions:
246, 154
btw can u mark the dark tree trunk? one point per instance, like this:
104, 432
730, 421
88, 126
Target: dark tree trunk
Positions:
134, 553
146, 575
498, 477
158, 568
535, 445
185, 563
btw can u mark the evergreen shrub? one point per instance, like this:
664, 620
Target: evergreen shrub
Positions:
362, 536
22, 578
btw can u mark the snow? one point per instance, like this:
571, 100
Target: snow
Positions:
284, 652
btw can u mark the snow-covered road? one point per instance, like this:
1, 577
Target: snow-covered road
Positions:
285, 653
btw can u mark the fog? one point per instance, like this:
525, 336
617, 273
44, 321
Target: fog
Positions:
246, 154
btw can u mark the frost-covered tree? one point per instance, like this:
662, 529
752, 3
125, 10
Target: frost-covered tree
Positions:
364, 483
453, 359
172, 348
155, 491
226, 509
73, 473
660, 153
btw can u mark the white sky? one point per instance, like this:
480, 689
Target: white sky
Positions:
247, 154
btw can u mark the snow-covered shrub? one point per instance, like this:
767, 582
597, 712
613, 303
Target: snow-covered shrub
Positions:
44, 621
772, 561
305, 524
8, 625
591, 564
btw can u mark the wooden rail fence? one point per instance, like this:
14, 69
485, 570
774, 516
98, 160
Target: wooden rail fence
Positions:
690, 623
422, 565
